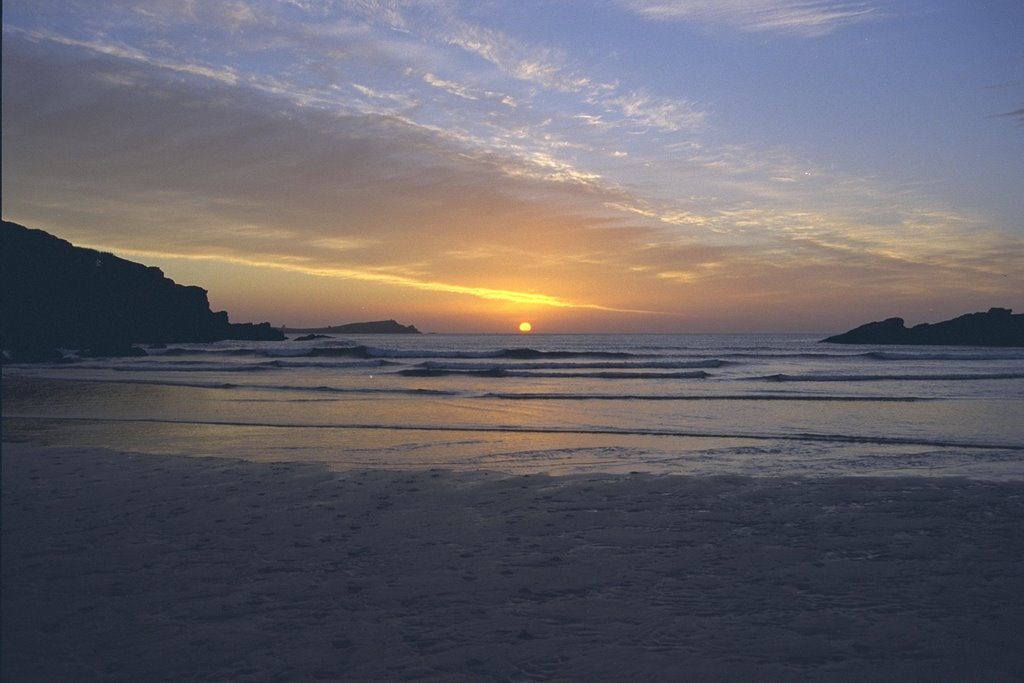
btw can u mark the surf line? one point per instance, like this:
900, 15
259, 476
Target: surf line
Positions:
512, 429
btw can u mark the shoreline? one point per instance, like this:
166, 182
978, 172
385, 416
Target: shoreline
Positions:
120, 566
412, 430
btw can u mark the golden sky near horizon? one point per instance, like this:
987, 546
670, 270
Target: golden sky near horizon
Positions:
614, 166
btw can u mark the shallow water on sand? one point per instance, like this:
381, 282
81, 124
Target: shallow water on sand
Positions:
686, 404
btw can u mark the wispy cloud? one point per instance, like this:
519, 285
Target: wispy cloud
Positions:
388, 279
411, 147
337, 185
543, 66
667, 115
457, 89
1016, 115
797, 17
222, 74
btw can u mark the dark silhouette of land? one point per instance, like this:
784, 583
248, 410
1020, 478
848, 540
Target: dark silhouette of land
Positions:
997, 327
56, 295
375, 327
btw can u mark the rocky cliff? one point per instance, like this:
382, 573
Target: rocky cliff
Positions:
997, 327
55, 295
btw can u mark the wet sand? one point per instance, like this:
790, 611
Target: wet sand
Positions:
123, 567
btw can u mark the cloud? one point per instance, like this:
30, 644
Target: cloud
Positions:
192, 170
383, 278
1017, 115
796, 17
397, 150
224, 75
667, 115
457, 89
393, 55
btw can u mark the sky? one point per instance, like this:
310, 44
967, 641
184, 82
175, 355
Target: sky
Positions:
587, 165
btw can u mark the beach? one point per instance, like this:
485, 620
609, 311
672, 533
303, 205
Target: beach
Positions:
146, 567
436, 341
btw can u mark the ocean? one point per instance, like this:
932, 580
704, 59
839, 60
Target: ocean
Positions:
755, 405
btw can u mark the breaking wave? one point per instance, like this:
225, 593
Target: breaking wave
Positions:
952, 377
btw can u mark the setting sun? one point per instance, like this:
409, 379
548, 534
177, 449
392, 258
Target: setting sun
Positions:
525, 326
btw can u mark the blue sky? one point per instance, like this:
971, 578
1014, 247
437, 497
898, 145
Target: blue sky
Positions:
662, 165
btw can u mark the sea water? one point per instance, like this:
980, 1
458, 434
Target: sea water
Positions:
784, 405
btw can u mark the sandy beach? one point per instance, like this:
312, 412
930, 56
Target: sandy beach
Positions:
127, 567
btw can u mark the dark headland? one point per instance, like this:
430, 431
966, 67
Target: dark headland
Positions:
56, 295
997, 327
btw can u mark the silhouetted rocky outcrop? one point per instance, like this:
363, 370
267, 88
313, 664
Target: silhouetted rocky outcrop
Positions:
376, 327
997, 327
57, 295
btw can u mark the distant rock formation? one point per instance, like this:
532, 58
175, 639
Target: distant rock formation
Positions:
376, 327
56, 295
997, 327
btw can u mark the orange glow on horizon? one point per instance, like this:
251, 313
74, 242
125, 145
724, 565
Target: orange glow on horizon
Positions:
301, 266
525, 327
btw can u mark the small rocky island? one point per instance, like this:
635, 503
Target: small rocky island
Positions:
56, 295
997, 327
374, 327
